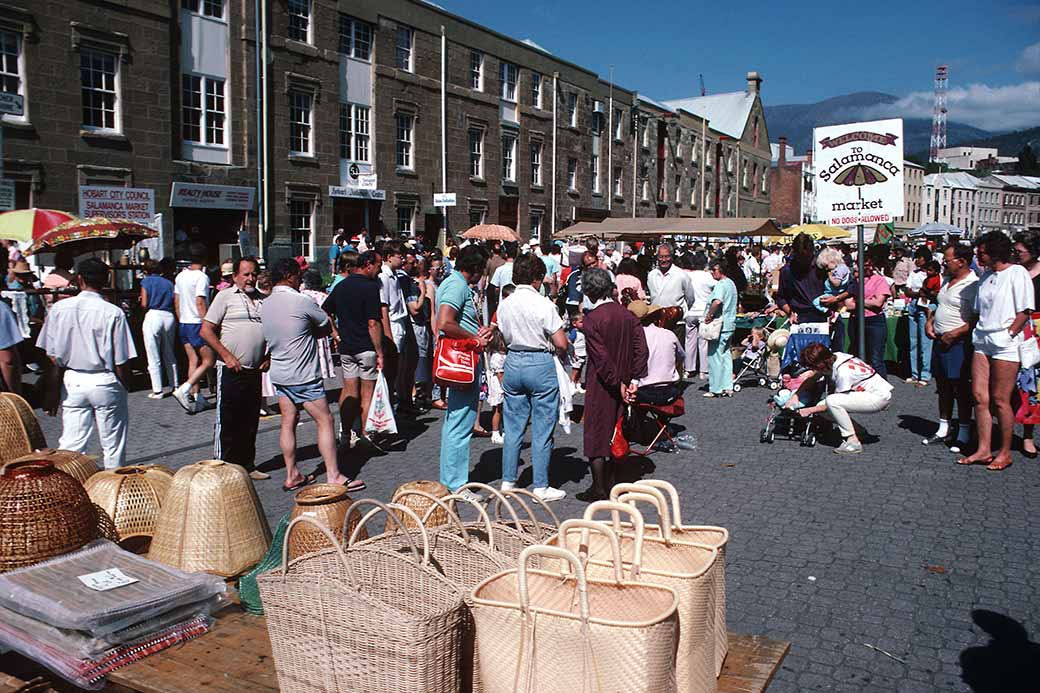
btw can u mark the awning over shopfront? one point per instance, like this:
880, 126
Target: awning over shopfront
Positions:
641, 228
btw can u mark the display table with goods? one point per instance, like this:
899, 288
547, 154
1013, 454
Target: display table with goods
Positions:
897, 343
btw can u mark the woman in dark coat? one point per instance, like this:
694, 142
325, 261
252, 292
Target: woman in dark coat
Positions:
617, 354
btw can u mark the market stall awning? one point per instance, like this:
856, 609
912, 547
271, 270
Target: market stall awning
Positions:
640, 228
818, 231
935, 229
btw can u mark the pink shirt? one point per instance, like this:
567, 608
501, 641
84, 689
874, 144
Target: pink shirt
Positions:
627, 281
876, 285
664, 348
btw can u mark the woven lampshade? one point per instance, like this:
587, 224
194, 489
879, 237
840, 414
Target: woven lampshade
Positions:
419, 504
211, 521
131, 496
77, 465
20, 432
45, 513
327, 504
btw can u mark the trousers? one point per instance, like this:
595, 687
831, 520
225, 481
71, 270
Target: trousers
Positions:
720, 363
238, 416
696, 349
158, 331
92, 400
456, 434
532, 392
840, 404
920, 346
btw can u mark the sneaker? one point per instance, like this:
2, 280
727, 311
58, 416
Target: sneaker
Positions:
548, 494
497, 438
959, 446
932, 440
185, 399
156, 395
471, 496
508, 485
847, 448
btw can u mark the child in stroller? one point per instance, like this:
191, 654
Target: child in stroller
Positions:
799, 389
753, 364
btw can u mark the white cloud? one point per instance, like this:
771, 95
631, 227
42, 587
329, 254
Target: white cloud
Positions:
1013, 107
1029, 61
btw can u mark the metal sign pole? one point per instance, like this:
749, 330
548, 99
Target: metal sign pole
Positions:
860, 326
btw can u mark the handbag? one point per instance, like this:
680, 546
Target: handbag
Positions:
618, 443
455, 362
711, 331
1028, 352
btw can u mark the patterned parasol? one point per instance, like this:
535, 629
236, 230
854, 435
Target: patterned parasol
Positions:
26, 225
491, 232
96, 233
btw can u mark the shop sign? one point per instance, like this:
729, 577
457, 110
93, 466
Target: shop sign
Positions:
356, 193
444, 199
6, 194
135, 204
211, 196
12, 104
859, 172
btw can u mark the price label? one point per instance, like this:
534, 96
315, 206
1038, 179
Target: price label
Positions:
105, 580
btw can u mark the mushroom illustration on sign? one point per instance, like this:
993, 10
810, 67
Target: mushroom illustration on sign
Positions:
860, 174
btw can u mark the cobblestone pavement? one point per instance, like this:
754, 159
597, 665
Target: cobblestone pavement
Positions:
888, 551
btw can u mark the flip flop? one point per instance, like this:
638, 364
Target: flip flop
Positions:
307, 480
998, 467
356, 485
966, 462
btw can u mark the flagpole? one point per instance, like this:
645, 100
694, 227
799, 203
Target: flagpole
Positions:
860, 327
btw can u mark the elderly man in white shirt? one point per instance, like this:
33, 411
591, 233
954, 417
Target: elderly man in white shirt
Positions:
533, 331
89, 341
670, 286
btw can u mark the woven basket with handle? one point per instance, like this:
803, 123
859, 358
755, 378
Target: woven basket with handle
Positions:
132, 497
325, 503
20, 432
211, 521
510, 537
538, 529
363, 620
684, 568
419, 504
697, 535
542, 631
44, 512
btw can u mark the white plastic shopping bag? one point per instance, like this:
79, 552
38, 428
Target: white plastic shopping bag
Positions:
380, 412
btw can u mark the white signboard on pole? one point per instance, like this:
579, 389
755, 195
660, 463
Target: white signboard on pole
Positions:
859, 172
135, 204
444, 199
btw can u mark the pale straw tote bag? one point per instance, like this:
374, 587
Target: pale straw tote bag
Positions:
510, 536
364, 620
537, 528
700, 535
684, 568
543, 631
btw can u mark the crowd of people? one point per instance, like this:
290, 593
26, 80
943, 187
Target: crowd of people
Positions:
622, 324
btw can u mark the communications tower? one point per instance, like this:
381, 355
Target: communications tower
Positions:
938, 140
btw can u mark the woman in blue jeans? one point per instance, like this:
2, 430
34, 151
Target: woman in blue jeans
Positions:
533, 332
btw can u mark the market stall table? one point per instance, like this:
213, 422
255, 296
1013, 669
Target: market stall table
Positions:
897, 345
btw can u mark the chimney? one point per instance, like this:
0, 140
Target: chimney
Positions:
754, 82
782, 160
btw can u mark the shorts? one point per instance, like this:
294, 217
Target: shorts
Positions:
301, 394
361, 365
997, 344
191, 334
952, 362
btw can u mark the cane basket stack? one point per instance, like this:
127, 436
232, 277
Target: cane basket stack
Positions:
45, 513
419, 503
77, 465
327, 504
211, 521
20, 432
132, 497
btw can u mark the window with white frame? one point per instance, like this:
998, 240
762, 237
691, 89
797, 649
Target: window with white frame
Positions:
644, 192
707, 194
406, 219
646, 133
476, 70
765, 177
301, 227
572, 109
99, 89
746, 175
536, 223
507, 73
345, 131
594, 172
203, 111
205, 8
693, 194
693, 151
618, 183
300, 20
477, 215
476, 152
536, 163
405, 138
678, 188
404, 49
301, 122
536, 90
354, 132
355, 38
572, 174
12, 77
509, 158
619, 124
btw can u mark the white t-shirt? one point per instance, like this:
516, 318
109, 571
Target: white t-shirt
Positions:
956, 304
703, 283
853, 375
772, 262
391, 295
503, 276
1001, 296
190, 285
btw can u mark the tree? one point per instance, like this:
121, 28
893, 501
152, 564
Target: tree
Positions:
1027, 164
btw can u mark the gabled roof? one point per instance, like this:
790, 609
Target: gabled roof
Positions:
1017, 181
952, 179
726, 113
656, 104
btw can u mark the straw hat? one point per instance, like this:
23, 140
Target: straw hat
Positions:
22, 267
228, 268
643, 310
777, 341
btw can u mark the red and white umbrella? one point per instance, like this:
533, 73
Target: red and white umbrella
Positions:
26, 225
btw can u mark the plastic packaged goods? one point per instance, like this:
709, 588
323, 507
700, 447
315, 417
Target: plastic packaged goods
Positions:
53, 591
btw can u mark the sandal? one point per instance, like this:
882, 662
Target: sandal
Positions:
307, 480
995, 466
356, 485
967, 462
710, 394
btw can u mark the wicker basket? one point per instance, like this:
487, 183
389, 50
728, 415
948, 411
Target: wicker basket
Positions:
44, 512
77, 465
536, 528
211, 521
327, 504
132, 497
362, 621
509, 538
20, 432
419, 504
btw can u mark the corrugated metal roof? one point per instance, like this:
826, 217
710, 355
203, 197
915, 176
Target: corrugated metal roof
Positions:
952, 179
726, 113
658, 104
1018, 181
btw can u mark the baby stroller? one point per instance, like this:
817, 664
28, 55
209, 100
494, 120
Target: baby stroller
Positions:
783, 420
754, 364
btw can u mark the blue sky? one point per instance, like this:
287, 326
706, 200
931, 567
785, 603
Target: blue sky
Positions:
805, 51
